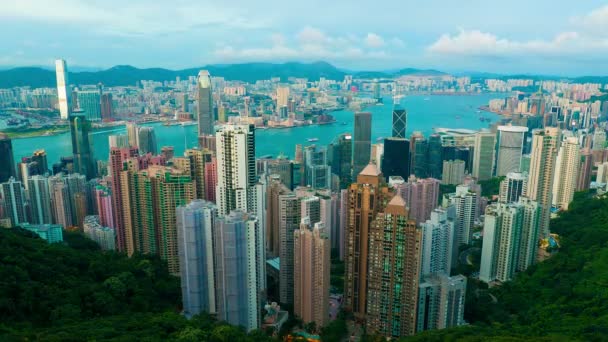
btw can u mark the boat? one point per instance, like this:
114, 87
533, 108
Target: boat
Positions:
188, 123
312, 139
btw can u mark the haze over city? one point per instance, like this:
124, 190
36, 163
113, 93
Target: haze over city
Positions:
538, 37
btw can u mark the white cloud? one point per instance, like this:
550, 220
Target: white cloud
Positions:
374, 41
595, 21
310, 43
478, 43
128, 18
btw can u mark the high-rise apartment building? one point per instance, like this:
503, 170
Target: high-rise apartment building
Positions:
282, 97
441, 302
483, 155
239, 269
63, 94
236, 174
393, 271
311, 273
466, 202
545, 144
585, 169
104, 236
421, 196
437, 243
513, 186
510, 147
195, 226
362, 145
40, 200
510, 239
133, 134
289, 217
13, 195
567, 167
366, 198
7, 161
117, 157
204, 103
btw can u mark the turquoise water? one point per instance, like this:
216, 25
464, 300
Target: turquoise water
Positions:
424, 113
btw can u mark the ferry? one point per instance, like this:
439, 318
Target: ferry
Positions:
312, 139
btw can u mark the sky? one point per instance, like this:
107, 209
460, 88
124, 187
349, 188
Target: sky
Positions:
551, 37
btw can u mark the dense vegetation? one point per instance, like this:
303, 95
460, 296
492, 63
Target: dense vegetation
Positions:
73, 291
564, 298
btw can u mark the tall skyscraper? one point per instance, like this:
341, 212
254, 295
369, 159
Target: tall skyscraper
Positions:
195, 226
282, 97
342, 158
117, 157
205, 103
362, 146
239, 269
510, 239
60, 200
146, 140
89, 102
40, 200
435, 160
399, 123
584, 171
419, 155
396, 158
441, 302
510, 148
466, 202
63, 94
513, 186
483, 155
235, 168
366, 198
543, 157
119, 140
393, 271
311, 273
275, 189
133, 134
566, 173
453, 172
421, 196
107, 112
290, 215
81, 145
437, 243
317, 171
282, 167
14, 199
7, 161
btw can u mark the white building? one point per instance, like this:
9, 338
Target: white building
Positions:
510, 147
566, 173
437, 243
63, 95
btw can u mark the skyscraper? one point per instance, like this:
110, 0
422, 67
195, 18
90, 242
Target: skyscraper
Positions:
119, 140
205, 103
133, 134
513, 186
195, 226
239, 268
342, 158
362, 141
483, 155
510, 148
399, 123
510, 239
275, 189
146, 140
584, 171
311, 273
289, 215
235, 168
40, 200
282, 97
396, 158
421, 195
14, 201
366, 198
393, 271
566, 173
465, 201
117, 157
89, 102
435, 161
542, 168
317, 170
63, 95
453, 172
419, 155
437, 244
81, 145
7, 162
441, 302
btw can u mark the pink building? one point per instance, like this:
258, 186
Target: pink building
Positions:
421, 196
210, 178
103, 198
117, 157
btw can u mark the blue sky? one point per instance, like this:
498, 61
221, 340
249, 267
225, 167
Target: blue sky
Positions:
540, 36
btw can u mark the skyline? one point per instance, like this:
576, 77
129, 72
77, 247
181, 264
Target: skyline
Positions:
478, 37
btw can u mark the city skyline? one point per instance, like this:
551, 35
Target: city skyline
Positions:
470, 38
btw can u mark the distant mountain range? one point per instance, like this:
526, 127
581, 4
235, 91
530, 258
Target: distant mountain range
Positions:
123, 75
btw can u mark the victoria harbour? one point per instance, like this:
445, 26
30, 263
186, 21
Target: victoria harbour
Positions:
424, 114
